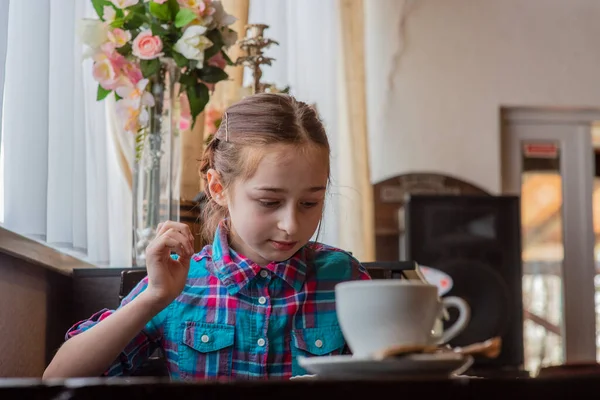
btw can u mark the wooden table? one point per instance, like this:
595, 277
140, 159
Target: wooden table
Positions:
457, 388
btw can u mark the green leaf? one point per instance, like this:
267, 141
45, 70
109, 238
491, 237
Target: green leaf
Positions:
174, 6
149, 67
211, 74
184, 16
211, 51
139, 8
193, 65
180, 60
215, 36
136, 17
158, 30
226, 57
188, 79
102, 93
198, 97
117, 23
99, 7
124, 50
133, 21
161, 11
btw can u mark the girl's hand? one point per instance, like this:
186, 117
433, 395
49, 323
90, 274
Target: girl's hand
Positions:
166, 276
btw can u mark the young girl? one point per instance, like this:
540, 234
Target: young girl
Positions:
262, 294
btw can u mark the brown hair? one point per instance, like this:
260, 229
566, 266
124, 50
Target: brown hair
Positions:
255, 121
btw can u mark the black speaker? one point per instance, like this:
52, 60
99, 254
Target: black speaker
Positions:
476, 240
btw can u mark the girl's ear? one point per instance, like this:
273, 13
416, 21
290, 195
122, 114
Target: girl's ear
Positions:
215, 186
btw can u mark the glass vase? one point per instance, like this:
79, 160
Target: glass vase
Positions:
156, 169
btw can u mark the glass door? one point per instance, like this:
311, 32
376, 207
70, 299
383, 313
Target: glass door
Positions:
548, 159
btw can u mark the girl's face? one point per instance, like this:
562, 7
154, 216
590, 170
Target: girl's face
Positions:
277, 210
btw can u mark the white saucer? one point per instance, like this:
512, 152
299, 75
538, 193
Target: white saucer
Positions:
303, 377
439, 365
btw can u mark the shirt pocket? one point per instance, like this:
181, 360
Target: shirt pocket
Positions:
206, 350
314, 342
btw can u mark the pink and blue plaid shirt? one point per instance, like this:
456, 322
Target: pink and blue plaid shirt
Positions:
235, 319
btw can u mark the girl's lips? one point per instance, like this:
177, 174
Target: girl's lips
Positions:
283, 246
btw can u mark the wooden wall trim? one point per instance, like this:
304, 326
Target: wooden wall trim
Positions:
38, 253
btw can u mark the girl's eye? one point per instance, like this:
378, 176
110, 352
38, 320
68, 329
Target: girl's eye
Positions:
310, 204
268, 204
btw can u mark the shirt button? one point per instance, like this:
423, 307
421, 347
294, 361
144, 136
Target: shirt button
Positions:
319, 343
205, 338
262, 300
264, 273
260, 342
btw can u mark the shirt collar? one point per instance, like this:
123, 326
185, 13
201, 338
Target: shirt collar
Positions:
236, 271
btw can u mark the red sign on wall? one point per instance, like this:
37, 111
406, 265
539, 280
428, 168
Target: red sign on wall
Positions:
540, 150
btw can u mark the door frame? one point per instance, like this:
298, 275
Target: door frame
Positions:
576, 168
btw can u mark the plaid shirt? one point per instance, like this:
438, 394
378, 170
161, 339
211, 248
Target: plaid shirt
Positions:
235, 319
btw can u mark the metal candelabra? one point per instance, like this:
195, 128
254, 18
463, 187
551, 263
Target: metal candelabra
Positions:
253, 45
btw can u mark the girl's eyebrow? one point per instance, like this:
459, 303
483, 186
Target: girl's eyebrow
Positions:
313, 189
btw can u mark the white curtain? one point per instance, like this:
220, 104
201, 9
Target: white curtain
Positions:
3, 41
62, 182
306, 60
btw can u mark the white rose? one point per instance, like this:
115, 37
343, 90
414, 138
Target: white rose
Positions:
92, 32
193, 43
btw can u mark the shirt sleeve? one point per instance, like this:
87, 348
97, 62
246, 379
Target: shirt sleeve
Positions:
359, 272
139, 349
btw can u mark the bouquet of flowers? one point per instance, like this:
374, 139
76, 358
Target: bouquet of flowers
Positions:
133, 38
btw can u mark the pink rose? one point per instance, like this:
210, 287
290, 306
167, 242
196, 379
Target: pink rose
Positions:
146, 46
200, 7
107, 67
104, 73
160, 1
119, 37
132, 72
117, 59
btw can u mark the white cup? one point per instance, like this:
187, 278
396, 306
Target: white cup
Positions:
378, 314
